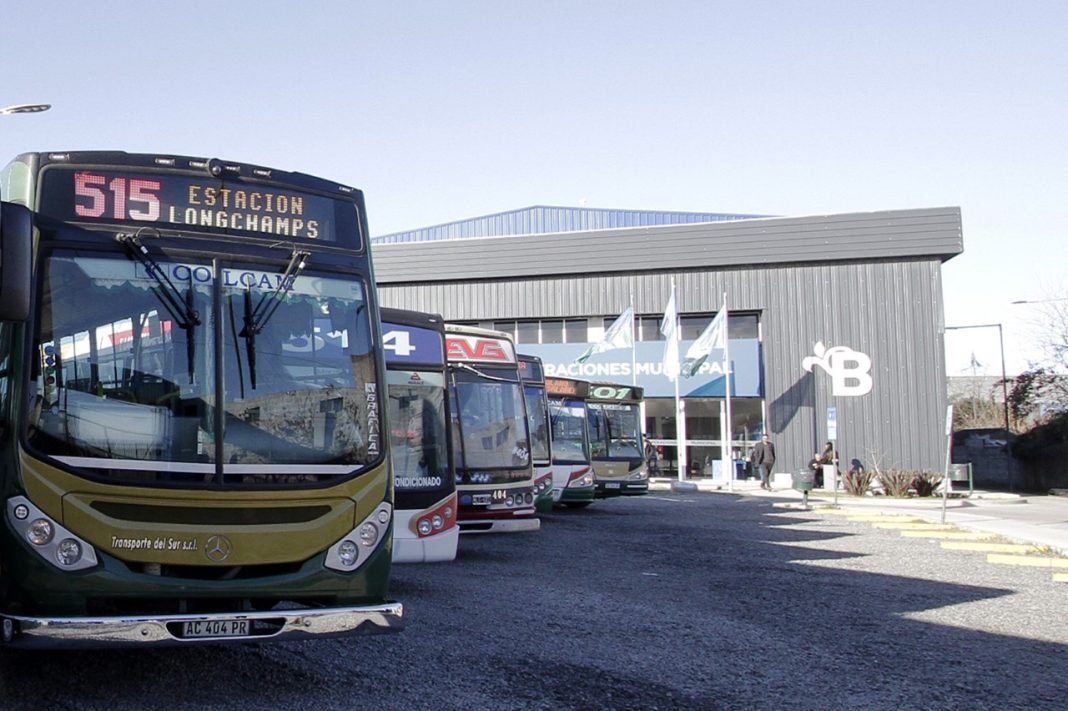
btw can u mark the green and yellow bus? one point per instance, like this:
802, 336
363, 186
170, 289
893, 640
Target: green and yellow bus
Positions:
192, 442
615, 426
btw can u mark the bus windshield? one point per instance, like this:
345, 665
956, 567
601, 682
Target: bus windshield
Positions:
615, 431
490, 417
418, 441
127, 376
536, 417
568, 419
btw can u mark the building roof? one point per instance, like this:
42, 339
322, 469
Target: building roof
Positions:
893, 235
544, 219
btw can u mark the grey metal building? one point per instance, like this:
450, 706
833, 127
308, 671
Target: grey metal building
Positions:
838, 319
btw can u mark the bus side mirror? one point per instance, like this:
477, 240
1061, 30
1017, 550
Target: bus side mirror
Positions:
16, 240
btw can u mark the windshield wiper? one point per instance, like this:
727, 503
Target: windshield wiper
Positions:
183, 313
256, 318
479, 373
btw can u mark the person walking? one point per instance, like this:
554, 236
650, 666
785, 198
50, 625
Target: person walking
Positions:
763, 457
652, 459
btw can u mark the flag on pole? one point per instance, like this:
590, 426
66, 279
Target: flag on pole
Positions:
669, 329
619, 335
714, 337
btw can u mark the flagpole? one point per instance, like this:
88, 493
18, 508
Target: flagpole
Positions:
680, 410
728, 462
633, 359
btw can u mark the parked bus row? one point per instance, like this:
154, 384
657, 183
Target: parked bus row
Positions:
200, 440
517, 442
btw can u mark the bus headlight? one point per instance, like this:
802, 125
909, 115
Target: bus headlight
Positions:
368, 534
438, 521
347, 553
353, 550
68, 552
40, 532
47, 537
424, 527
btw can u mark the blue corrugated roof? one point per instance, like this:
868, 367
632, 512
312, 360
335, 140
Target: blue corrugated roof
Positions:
543, 219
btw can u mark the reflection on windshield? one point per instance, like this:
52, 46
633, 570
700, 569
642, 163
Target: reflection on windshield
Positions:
614, 431
536, 422
120, 384
568, 418
418, 446
489, 421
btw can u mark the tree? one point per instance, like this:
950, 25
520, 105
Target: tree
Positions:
1042, 390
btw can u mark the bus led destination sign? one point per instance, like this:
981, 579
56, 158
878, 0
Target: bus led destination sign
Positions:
184, 201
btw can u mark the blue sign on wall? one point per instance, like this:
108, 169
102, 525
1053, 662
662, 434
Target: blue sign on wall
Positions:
558, 360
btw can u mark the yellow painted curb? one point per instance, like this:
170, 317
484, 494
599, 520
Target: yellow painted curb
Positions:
949, 535
918, 526
982, 547
883, 518
1060, 577
1028, 560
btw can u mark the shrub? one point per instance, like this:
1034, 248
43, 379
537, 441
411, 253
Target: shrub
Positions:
857, 481
926, 482
896, 482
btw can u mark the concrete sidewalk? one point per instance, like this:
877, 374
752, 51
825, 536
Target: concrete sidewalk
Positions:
1038, 520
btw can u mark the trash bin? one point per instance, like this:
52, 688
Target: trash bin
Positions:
963, 473
804, 481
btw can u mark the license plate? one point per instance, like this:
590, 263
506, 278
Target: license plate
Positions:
481, 499
215, 628
611, 485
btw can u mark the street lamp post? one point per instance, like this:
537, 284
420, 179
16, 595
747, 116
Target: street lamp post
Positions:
1004, 377
25, 108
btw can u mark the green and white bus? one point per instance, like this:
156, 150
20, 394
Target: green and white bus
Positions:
572, 468
490, 442
615, 426
191, 430
533, 376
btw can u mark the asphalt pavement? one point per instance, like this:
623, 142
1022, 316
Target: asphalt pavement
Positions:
1039, 520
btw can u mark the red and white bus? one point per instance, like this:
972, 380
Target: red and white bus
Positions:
491, 444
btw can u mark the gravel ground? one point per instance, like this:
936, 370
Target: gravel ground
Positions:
666, 601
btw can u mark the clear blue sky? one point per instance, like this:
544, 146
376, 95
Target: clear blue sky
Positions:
446, 110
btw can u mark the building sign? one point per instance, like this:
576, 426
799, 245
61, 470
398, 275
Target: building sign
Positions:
558, 360
850, 370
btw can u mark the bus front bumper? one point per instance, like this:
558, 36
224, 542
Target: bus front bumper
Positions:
170, 630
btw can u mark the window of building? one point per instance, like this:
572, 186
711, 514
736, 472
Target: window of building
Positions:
575, 330
526, 332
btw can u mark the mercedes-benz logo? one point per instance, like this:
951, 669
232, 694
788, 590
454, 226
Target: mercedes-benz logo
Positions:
218, 549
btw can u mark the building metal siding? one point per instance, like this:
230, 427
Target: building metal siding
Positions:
540, 219
890, 311
859, 236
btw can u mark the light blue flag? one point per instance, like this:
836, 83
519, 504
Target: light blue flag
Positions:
619, 335
714, 337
